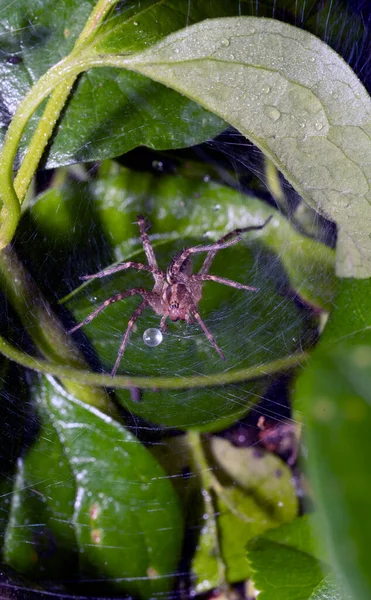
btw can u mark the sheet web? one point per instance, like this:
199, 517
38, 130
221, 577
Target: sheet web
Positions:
163, 504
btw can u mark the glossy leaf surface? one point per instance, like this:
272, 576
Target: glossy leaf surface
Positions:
101, 493
110, 111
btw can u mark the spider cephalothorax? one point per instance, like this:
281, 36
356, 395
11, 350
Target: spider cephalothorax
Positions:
175, 294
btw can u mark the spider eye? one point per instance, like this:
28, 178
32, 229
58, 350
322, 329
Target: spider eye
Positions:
174, 305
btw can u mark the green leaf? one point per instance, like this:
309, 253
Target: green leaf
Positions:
110, 111
334, 394
294, 98
39, 540
251, 328
267, 501
110, 493
288, 565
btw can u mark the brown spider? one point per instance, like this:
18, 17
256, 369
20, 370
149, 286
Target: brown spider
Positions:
175, 294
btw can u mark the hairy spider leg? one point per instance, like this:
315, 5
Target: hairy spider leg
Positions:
207, 332
224, 281
163, 325
121, 267
138, 311
115, 298
176, 265
150, 253
236, 232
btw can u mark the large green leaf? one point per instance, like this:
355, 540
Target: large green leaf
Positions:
294, 98
89, 484
110, 111
251, 328
334, 394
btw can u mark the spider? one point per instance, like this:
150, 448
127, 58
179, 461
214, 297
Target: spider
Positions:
177, 292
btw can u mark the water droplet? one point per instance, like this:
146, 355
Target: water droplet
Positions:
158, 165
302, 124
232, 56
319, 125
272, 112
135, 23
152, 337
266, 89
312, 59
225, 42
176, 50
206, 178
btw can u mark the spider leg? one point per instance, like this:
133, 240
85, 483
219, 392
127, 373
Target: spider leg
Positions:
207, 332
115, 298
121, 267
163, 325
236, 232
149, 251
224, 281
176, 266
138, 311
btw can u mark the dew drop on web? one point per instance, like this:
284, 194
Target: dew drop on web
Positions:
152, 337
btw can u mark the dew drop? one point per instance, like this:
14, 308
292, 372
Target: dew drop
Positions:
266, 89
302, 124
135, 23
319, 125
152, 337
176, 50
232, 56
272, 112
158, 165
225, 42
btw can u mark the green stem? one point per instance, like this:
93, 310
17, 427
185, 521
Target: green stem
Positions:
127, 381
45, 329
55, 105
203, 470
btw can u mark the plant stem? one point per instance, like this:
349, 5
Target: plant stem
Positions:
55, 105
203, 470
46, 330
164, 383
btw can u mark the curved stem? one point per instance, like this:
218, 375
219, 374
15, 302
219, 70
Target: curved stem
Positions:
55, 105
45, 329
127, 381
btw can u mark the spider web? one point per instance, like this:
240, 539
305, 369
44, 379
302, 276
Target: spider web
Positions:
250, 328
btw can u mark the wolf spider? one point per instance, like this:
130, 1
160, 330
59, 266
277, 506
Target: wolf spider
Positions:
177, 292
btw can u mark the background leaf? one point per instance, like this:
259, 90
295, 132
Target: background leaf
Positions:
295, 99
262, 326
334, 396
288, 564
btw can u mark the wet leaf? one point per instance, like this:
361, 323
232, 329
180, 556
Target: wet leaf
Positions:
287, 564
123, 514
295, 99
334, 396
110, 111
